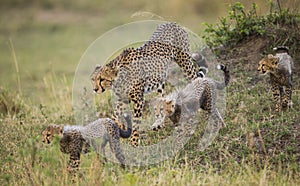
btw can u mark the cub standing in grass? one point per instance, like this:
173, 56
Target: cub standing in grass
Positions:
77, 139
280, 69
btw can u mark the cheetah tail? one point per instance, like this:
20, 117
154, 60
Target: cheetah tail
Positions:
200, 61
127, 133
224, 68
202, 71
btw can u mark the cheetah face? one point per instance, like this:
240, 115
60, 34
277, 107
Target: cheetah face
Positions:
169, 108
102, 79
164, 108
49, 132
268, 64
47, 137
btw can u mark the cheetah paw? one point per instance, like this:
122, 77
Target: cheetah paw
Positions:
156, 126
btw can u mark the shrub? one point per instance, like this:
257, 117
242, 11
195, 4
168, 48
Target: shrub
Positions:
241, 24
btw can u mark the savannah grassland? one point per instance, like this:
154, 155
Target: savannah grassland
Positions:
41, 43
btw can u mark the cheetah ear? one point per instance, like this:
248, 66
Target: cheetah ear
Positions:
107, 70
61, 129
98, 67
275, 60
126, 51
51, 127
111, 71
170, 102
270, 56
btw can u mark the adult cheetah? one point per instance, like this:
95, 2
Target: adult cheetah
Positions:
138, 71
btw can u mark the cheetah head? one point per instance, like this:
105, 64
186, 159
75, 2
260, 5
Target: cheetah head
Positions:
102, 78
169, 107
268, 64
164, 107
50, 131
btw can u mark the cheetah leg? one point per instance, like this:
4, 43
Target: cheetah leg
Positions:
207, 99
159, 109
115, 147
138, 103
72, 143
276, 95
102, 149
219, 119
184, 61
208, 103
286, 98
86, 147
289, 92
215, 122
74, 162
135, 128
120, 109
159, 116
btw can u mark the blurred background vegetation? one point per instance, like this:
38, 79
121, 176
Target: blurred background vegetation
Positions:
49, 36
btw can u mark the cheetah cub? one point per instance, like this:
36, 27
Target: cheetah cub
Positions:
77, 139
280, 69
184, 104
201, 90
